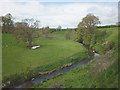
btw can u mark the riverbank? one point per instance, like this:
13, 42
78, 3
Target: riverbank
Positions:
42, 77
20, 62
103, 69
20, 78
102, 72
99, 72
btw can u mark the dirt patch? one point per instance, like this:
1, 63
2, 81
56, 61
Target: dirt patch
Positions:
103, 62
58, 85
106, 42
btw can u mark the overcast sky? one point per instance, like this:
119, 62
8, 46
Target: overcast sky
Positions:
60, 12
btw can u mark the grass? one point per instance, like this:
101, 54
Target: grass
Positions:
16, 57
111, 37
59, 51
81, 78
93, 75
59, 35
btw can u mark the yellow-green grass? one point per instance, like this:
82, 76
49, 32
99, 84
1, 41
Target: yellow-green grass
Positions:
59, 35
111, 37
16, 57
112, 33
86, 76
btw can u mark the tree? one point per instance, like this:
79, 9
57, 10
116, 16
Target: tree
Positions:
46, 31
7, 23
59, 28
26, 30
70, 34
86, 29
21, 29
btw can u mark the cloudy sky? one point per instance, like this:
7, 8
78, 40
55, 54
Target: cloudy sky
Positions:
66, 13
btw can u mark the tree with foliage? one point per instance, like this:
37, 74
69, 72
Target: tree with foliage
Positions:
26, 29
86, 29
7, 23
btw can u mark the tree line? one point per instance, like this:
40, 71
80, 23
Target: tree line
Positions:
27, 30
23, 30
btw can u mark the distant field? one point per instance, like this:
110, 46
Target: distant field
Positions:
16, 57
59, 35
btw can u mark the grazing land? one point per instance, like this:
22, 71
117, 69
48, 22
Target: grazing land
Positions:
100, 72
17, 58
53, 64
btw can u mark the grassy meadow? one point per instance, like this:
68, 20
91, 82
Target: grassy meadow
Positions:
59, 45
58, 51
100, 72
53, 53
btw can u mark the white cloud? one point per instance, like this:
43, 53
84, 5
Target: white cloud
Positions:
59, 0
66, 15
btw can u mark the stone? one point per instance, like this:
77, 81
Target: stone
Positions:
40, 73
33, 79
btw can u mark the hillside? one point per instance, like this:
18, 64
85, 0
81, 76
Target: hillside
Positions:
53, 53
100, 72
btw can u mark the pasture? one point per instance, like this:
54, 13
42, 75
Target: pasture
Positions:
16, 57
93, 75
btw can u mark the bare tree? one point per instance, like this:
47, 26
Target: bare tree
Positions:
26, 30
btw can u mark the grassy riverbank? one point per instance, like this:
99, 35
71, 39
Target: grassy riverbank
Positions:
18, 61
111, 40
87, 76
102, 72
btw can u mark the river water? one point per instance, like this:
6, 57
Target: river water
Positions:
39, 80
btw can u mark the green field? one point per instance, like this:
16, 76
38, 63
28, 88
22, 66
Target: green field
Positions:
55, 52
77, 47
102, 72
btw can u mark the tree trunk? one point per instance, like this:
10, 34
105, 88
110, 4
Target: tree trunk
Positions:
30, 44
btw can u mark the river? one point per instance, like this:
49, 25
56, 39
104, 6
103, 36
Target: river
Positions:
39, 80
